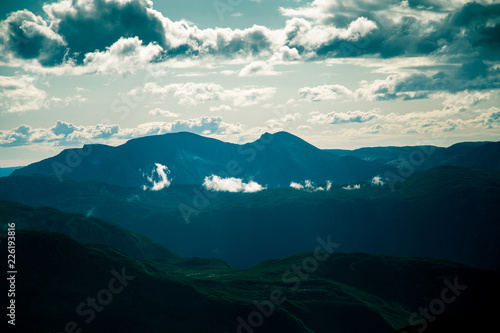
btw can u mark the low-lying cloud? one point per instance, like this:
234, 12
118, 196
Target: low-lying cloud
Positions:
352, 187
218, 184
158, 180
309, 186
377, 181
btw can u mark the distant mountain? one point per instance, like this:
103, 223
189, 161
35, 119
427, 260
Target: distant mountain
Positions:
274, 160
88, 230
5, 172
98, 289
484, 155
447, 212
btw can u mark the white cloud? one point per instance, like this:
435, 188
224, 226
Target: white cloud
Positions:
328, 92
125, 56
304, 128
19, 94
258, 68
164, 113
221, 107
160, 173
488, 119
342, 117
283, 121
70, 135
191, 93
218, 184
377, 181
310, 187
296, 186
352, 187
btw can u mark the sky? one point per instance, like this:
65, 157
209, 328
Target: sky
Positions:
337, 73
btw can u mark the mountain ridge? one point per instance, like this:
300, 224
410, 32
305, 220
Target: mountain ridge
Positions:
273, 160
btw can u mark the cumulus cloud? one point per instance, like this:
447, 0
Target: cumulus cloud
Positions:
119, 36
342, 117
98, 33
218, 184
124, 56
158, 180
61, 133
396, 28
68, 134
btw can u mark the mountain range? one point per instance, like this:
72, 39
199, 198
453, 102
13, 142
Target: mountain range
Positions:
274, 160
484, 155
362, 241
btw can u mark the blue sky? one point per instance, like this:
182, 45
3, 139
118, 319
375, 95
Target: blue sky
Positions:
340, 74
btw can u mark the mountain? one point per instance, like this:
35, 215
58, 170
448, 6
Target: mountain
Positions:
4, 172
484, 155
447, 212
99, 289
88, 230
274, 160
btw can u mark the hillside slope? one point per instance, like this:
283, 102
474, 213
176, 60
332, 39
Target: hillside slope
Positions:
345, 292
449, 213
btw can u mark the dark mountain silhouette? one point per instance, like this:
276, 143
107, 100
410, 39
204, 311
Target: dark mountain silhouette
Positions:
88, 230
274, 160
484, 155
99, 289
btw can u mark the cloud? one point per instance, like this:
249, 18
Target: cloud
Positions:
163, 113
191, 93
19, 94
352, 187
202, 125
61, 133
99, 35
282, 122
124, 56
377, 181
310, 187
218, 184
158, 179
93, 33
257, 68
488, 119
324, 93
70, 135
221, 107
27, 36
455, 29
342, 117
472, 76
